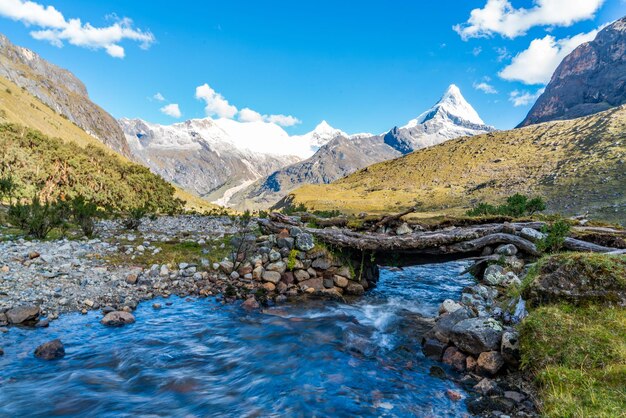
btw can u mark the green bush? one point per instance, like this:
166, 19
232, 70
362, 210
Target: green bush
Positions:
291, 261
516, 206
555, 235
84, 214
133, 218
38, 218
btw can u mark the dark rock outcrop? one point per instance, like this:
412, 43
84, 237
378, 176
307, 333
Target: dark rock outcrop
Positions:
591, 79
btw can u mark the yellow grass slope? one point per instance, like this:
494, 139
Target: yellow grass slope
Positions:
19, 107
577, 165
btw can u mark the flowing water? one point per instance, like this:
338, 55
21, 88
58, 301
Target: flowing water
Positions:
197, 357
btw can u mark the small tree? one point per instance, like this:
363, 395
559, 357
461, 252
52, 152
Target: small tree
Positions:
7, 188
242, 244
555, 235
134, 217
84, 213
37, 218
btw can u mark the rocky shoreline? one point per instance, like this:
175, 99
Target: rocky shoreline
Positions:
476, 336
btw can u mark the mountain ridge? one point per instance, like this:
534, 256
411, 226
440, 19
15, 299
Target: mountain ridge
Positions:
62, 91
452, 116
592, 78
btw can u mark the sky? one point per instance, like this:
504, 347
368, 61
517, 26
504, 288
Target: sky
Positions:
362, 66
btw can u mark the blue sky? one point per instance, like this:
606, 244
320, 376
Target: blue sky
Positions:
362, 66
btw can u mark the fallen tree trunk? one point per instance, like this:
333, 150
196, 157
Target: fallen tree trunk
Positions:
391, 218
459, 240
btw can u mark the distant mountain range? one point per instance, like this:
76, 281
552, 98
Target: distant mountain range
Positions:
592, 78
451, 117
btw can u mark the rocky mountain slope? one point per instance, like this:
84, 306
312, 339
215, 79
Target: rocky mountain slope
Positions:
216, 158
60, 90
577, 165
452, 116
589, 80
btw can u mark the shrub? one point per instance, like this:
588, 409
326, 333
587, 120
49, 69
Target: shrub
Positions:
555, 235
134, 217
84, 214
290, 208
38, 218
291, 261
516, 206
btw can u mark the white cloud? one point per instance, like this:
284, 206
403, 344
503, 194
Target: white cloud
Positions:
485, 88
476, 51
282, 120
53, 27
172, 110
536, 64
249, 115
500, 17
217, 105
524, 98
158, 97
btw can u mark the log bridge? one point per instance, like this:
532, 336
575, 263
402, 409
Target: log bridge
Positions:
370, 249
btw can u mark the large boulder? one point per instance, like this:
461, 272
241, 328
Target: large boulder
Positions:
117, 319
51, 350
25, 314
443, 327
476, 335
579, 278
355, 289
510, 348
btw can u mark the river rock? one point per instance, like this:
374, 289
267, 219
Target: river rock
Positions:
271, 276
117, 319
489, 363
354, 289
278, 266
274, 256
287, 278
453, 357
476, 335
3, 319
316, 284
301, 275
443, 327
510, 348
506, 249
487, 404
269, 286
25, 314
286, 242
449, 306
487, 387
305, 242
250, 304
51, 350
257, 273
226, 266
321, 263
340, 281
294, 231
434, 349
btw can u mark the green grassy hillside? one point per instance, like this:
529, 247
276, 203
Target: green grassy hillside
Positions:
48, 154
577, 166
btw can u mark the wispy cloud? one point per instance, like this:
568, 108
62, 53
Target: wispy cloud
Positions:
217, 105
172, 110
500, 17
536, 64
56, 29
524, 98
158, 97
485, 87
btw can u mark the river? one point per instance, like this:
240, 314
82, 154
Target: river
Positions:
198, 357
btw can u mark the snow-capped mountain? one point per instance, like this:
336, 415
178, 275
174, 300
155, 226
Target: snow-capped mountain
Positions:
451, 117
216, 158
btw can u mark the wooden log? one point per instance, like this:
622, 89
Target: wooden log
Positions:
495, 239
573, 244
390, 218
